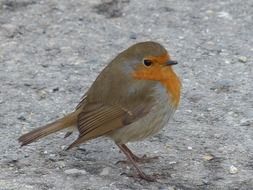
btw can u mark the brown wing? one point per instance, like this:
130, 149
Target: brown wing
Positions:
82, 102
97, 119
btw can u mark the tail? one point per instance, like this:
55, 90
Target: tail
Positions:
65, 122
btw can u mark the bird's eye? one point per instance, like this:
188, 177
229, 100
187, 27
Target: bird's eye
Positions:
147, 62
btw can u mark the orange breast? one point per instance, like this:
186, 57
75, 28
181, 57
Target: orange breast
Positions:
166, 76
173, 86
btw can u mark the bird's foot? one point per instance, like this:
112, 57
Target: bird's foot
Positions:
143, 159
142, 176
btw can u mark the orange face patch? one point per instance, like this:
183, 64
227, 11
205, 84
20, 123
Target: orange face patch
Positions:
160, 71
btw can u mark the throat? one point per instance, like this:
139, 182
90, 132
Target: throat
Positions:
173, 88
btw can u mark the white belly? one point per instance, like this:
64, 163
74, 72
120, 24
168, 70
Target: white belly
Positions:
149, 124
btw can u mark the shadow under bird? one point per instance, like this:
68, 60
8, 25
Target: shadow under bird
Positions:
132, 98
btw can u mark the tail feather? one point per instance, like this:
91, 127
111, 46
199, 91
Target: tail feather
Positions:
65, 122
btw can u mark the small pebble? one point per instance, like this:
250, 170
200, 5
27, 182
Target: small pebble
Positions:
105, 171
224, 15
52, 155
61, 164
209, 12
133, 36
21, 118
222, 85
42, 94
29, 187
63, 147
27, 84
10, 30
246, 122
242, 59
233, 170
75, 171
208, 157
227, 61
55, 89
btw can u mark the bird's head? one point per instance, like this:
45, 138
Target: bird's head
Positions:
150, 61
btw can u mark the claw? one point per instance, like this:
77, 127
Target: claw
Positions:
143, 159
139, 176
134, 159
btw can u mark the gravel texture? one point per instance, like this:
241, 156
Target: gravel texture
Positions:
51, 51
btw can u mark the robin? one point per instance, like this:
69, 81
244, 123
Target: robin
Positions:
132, 98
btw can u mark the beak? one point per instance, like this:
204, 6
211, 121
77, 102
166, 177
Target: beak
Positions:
171, 62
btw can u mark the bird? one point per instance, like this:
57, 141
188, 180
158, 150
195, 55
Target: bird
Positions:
132, 98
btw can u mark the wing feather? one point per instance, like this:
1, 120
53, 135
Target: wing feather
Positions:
97, 120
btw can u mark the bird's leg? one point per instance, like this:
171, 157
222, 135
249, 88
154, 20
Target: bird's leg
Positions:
143, 159
142, 175
134, 157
